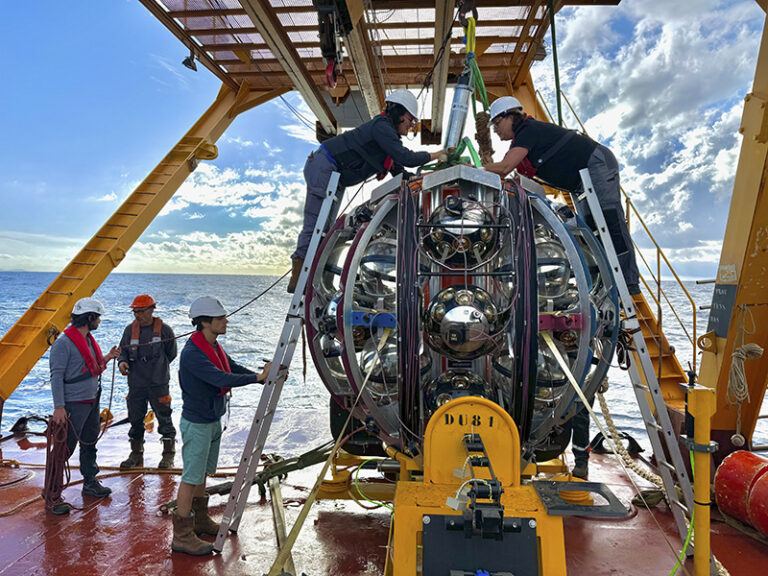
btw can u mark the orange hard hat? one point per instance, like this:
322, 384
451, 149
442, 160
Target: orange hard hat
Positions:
143, 301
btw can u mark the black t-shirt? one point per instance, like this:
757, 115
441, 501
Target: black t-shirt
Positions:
562, 170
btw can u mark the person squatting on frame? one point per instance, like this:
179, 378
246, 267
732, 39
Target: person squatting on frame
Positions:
373, 148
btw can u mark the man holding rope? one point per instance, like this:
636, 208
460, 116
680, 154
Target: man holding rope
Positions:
76, 364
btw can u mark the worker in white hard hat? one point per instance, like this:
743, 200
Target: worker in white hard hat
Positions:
76, 364
373, 148
555, 156
206, 375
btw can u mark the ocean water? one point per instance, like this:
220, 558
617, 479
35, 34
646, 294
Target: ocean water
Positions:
251, 337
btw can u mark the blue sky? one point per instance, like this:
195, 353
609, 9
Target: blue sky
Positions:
93, 99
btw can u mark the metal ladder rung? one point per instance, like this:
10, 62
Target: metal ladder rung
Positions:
658, 427
105, 237
20, 325
270, 394
58, 293
680, 505
95, 250
70, 277
84, 264
669, 466
128, 213
41, 308
644, 377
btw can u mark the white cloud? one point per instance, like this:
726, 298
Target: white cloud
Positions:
238, 141
662, 84
244, 252
109, 197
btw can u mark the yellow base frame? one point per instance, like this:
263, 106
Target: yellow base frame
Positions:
444, 454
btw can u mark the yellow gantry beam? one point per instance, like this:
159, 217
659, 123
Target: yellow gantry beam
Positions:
739, 312
263, 16
30, 337
358, 46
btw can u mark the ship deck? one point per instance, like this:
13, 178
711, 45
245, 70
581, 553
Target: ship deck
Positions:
126, 533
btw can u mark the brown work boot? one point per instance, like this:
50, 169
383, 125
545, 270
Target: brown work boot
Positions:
136, 458
169, 452
203, 523
297, 264
184, 538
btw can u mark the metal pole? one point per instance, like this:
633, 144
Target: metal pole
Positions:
701, 403
554, 61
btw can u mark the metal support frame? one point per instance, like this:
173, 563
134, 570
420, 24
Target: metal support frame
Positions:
28, 339
263, 16
443, 21
278, 372
644, 382
358, 43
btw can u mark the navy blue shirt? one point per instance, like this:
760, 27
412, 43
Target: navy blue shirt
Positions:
360, 153
201, 383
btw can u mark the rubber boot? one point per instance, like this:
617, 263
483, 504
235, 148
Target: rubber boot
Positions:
581, 470
169, 451
136, 458
297, 264
185, 540
203, 522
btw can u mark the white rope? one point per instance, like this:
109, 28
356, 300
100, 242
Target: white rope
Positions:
738, 390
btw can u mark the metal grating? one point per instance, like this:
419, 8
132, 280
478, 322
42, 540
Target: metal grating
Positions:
401, 35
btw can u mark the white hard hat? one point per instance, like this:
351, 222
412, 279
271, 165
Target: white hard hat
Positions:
86, 305
206, 306
501, 105
406, 99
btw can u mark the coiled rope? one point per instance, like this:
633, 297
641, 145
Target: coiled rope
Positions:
738, 390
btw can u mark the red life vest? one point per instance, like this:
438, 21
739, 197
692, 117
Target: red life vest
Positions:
215, 355
157, 327
94, 365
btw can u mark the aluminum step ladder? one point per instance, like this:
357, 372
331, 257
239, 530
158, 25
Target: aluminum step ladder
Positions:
278, 373
644, 383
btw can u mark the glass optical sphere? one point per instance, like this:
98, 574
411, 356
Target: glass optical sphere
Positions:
377, 268
454, 384
462, 322
382, 382
553, 270
460, 233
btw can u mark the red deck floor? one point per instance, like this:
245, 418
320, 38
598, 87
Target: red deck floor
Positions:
125, 534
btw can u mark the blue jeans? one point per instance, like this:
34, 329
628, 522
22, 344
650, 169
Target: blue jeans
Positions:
317, 173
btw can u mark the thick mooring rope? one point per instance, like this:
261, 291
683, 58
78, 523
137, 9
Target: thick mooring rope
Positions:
621, 450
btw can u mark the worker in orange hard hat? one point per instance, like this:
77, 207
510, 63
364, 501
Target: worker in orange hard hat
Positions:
148, 348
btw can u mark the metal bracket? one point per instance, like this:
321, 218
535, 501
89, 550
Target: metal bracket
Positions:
549, 492
710, 448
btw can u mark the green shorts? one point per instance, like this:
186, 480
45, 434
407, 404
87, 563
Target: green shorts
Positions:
200, 450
